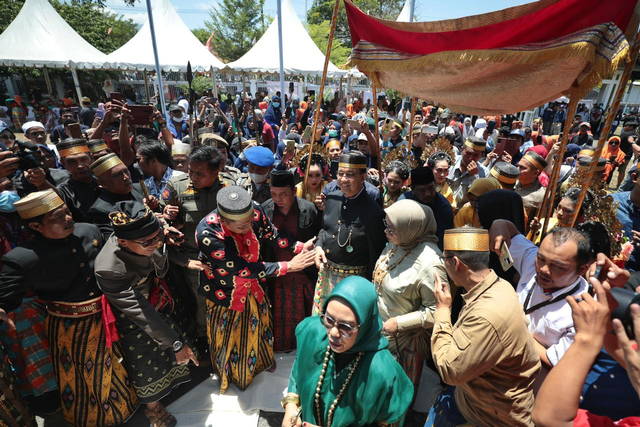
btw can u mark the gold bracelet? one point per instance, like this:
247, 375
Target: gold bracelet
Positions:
290, 398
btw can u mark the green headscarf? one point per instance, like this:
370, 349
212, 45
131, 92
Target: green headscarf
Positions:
379, 389
360, 295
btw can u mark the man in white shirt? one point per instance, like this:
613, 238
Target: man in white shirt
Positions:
547, 276
467, 168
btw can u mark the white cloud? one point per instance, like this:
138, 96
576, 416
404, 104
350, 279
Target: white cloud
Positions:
121, 10
202, 6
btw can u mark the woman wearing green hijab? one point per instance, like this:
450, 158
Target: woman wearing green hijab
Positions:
343, 374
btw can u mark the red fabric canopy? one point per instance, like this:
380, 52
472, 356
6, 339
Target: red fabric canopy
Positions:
484, 64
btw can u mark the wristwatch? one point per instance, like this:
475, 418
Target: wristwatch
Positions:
177, 346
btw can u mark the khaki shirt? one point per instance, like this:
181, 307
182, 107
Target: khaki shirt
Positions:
489, 355
194, 205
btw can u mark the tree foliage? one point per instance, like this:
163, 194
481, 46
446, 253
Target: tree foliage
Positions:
201, 34
322, 10
235, 24
320, 35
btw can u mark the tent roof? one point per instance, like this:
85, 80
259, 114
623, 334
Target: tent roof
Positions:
301, 55
39, 37
405, 13
176, 46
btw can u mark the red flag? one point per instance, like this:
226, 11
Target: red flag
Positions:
109, 31
208, 44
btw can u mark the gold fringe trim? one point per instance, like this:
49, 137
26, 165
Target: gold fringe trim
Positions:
601, 69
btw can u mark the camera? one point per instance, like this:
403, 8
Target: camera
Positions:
625, 298
28, 154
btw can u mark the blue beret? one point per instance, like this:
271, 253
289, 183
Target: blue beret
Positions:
259, 156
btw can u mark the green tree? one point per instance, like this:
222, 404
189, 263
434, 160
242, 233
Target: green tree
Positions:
320, 35
322, 10
235, 23
201, 34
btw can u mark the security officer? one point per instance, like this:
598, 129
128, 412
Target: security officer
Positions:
81, 191
260, 161
352, 236
186, 200
228, 173
58, 266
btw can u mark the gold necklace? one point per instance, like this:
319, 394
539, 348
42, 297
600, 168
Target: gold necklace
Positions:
380, 272
334, 405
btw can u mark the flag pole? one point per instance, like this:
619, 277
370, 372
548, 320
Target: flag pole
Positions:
316, 115
631, 62
155, 57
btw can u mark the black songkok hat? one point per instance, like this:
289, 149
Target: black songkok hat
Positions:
234, 203
282, 179
352, 161
422, 176
132, 220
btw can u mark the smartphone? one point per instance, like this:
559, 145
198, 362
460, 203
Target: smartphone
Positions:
506, 261
508, 145
75, 131
211, 114
406, 105
306, 136
491, 126
354, 124
386, 127
430, 130
141, 114
115, 96
291, 87
291, 145
333, 169
287, 112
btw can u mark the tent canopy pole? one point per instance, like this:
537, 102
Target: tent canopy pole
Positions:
281, 53
76, 82
213, 82
146, 87
155, 56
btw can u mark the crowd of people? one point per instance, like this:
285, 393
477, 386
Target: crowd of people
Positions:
135, 247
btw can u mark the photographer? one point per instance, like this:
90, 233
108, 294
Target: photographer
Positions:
560, 395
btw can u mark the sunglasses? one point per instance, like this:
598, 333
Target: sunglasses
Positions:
389, 229
147, 243
345, 329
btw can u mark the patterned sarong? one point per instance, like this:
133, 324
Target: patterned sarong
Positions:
240, 342
13, 410
291, 303
328, 278
28, 349
95, 388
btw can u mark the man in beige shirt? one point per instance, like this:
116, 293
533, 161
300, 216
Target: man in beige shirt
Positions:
488, 355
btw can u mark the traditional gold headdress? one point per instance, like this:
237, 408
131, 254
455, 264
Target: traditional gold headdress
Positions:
441, 144
304, 152
400, 154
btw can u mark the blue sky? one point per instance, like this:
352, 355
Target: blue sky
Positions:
195, 12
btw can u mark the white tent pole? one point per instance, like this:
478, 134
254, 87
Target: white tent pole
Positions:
281, 52
48, 82
155, 56
213, 82
412, 9
146, 86
77, 83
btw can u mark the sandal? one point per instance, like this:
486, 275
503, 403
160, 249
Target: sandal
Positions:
160, 417
273, 366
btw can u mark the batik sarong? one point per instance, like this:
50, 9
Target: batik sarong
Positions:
240, 342
291, 302
328, 278
95, 388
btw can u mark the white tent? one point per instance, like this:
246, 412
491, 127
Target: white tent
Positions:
405, 13
301, 55
39, 37
176, 46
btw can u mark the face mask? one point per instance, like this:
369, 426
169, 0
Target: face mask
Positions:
7, 199
257, 178
276, 104
177, 118
333, 133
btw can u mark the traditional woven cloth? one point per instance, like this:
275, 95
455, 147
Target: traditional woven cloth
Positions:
476, 64
13, 411
291, 304
240, 342
28, 349
328, 278
95, 388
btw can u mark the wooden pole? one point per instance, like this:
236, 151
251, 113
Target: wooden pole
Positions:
316, 115
552, 187
411, 121
631, 62
376, 133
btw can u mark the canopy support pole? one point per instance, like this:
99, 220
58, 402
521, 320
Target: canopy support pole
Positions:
411, 121
281, 53
48, 81
146, 86
316, 114
377, 135
604, 135
412, 10
76, 82
213, 82
155, 57
550, 193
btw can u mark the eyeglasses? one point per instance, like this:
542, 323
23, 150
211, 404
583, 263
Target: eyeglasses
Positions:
6, 136
149, 242
345, 329
386, 226
348, 175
